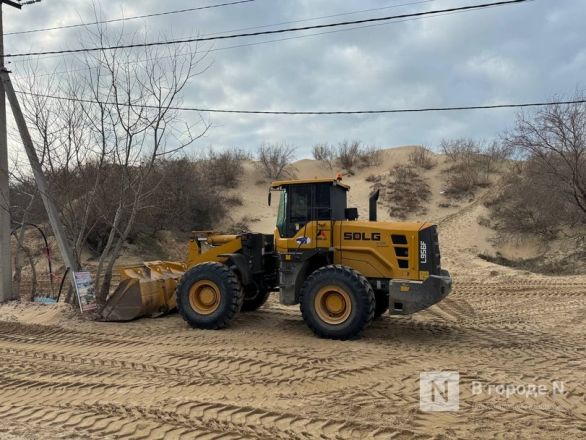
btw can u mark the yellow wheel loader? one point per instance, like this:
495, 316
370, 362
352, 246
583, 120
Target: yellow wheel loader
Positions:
344, 272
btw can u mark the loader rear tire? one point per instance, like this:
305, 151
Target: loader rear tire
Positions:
381, 303
209, 296
254, 297
337, 302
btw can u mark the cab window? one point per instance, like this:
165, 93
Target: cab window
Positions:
299, 198
301, 204
322, 209
282, 214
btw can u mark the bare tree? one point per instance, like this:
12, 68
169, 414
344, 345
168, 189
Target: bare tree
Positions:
554, 140
141, 89
324, 153
275, 160
101, 145
24, 195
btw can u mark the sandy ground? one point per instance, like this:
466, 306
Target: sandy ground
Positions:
268, 377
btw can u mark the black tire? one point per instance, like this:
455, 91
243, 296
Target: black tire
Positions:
381, 303
356, 288
254, 297
227, 293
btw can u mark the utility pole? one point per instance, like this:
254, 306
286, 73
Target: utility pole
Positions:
52, 212
6, 293
6, 90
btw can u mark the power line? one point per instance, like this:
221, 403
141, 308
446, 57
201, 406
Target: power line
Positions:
276, 31
322, 17
114, 20
237, 46
232, 30
322, 113
257, 42
298, 21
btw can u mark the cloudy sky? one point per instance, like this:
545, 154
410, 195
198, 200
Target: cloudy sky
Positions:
521, 53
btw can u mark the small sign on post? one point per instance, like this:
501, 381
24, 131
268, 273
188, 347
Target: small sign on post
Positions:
86, 292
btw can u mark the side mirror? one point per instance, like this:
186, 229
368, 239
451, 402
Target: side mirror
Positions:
270, 193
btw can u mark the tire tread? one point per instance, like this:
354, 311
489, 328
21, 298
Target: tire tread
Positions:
231, 280
358, 282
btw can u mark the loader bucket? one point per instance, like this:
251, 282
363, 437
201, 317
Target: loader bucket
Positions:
145, 290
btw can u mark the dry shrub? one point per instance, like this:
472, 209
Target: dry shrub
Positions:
324, 153
183, 194
184, 197
422, 157
471, 164
347, 154
369, 156
225, 167
529, 201
404, 191
275, 160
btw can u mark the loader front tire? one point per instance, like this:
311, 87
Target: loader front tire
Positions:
254, 297
209, 296
337, 302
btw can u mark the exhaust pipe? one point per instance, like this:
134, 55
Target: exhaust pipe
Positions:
372, 205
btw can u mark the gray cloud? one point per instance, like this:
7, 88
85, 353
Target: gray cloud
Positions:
519, 53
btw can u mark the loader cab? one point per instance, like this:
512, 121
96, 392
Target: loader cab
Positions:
304, 201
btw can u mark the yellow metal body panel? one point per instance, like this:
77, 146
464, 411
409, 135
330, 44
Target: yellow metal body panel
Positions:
231, 244
368, 248
363, 245
311, 231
